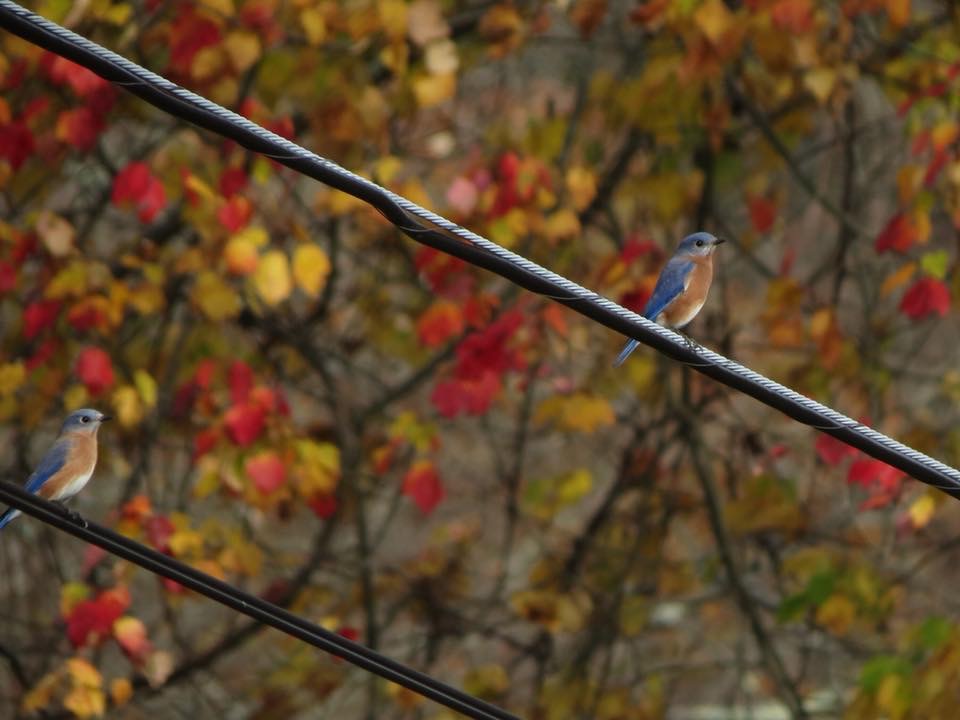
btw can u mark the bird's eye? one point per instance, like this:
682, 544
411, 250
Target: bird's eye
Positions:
699, 243
84, 419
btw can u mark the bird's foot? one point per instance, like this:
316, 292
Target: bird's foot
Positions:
73, 516
690, 342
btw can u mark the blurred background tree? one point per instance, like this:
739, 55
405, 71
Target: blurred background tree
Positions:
418, 455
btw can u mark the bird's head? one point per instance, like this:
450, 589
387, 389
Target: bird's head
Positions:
84, 420
700, 243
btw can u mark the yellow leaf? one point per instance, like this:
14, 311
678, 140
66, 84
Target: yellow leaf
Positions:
899, 12
574, 486
256, 235
944, 134
430, 90
837, 614
486, 680
208, 62
310, 268
921, 510
12, 376
272, 278
714, 19
41, 695
440, 57
221, 8
126, 404
581, 411
897, 279
921, 225
318, 471
56, 233
121, 690
217, 300
241, 256
243, 47
909, 179
147, 387
71, 281
314, 25
198, 186
75, 397
582, 186
820, 82
393, 17
562, 224
82, 672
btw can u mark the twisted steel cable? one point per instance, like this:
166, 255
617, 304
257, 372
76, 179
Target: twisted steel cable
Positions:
431, 229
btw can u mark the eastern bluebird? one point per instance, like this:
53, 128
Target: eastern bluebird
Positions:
682, 287
68, 465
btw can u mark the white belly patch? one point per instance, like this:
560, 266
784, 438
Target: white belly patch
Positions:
73, 487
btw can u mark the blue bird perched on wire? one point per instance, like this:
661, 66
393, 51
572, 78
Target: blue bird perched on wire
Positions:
68, 464
682, 287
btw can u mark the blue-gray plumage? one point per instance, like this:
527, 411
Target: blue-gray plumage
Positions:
68, 464
682, 286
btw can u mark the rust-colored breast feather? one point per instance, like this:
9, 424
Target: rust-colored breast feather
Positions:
76, 471
688, 304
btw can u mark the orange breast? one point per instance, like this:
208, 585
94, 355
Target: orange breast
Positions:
682, 310
76, 471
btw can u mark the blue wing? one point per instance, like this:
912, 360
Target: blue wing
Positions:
55, 459
669, 286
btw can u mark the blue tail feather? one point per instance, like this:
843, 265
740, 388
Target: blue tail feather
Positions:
627, 349
7, 517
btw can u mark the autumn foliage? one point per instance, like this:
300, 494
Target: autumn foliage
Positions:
419, 456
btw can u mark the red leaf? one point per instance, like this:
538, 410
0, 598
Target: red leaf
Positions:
191, 32
323, 505
763, 212
874, 474
422, 485
39, 316
135, 185
926, 297
636, 299
16, 143
95, 370
793, 16
159, 530
472, 396
240, 380
48, 348
267, 471
235, 213
832, 451
488, 350
635, 248
79, 127
131, 635
933, 169
439, 323
245, 422
445, 274
898, 235
61, 71
204, 442
91, 621
232, 181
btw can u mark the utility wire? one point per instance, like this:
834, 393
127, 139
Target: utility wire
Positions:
436, 231
250, 605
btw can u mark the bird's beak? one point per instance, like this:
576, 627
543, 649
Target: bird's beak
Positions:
719, 240
104, 418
